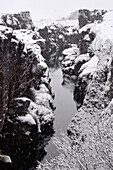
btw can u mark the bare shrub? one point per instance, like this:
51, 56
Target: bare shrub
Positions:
95, 153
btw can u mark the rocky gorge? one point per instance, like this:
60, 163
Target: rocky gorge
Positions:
26, 99
89, 142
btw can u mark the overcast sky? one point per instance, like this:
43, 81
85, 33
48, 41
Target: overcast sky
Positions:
51, 8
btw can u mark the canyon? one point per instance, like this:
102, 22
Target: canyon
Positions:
84, 54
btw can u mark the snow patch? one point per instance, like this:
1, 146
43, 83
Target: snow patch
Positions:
71, 51
86, 27
26, 119
82, 57
89, 67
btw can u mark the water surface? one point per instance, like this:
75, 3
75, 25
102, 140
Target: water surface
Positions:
65, 109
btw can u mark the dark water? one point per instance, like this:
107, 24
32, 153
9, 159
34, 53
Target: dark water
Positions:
26, 156
65, 108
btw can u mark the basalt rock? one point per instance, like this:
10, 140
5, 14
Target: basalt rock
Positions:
88, 17
26, 103
21, 20
58, 38
21, 72
96, 108
85, 16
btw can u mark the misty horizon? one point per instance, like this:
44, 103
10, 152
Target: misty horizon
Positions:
48, 9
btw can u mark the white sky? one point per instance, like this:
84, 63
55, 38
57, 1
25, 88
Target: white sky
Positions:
51, 8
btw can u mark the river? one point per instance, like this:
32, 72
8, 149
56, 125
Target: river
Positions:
26, 156
65, 109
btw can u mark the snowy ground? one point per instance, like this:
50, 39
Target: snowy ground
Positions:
42, 23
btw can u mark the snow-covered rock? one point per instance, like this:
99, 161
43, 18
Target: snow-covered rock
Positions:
5, 159
71, 51
58, 37
26, 119
69, 59
97, 105
40, 108
82, 58
24, 82
89, 67
86, 27
21, 20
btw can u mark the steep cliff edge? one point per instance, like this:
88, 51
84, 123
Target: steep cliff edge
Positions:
92, 124
26, 102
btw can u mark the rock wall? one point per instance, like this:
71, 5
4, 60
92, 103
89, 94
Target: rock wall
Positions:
9, 61
96, 73
21, 20
58, 37
26, 101
24, 74
85, 16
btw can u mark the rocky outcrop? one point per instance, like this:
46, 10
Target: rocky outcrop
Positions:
9, 54
74, 58
85, 16
69, 60
21, 20
88, 18
58, 37
26, 102
23, 72
97, 74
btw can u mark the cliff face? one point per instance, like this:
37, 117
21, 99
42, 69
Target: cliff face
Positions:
26, 103
11, 51
96, 73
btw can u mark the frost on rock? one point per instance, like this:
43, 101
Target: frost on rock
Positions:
40, 108
4, 31
71, 51
97, 105
86, 27
26, 74
87, 38
69, 61
26, 119
43, 100
82, 58
39, 111
89, 67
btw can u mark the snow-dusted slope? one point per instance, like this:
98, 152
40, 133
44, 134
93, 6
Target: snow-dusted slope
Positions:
99, 88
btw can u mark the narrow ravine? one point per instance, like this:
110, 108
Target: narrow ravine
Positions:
65, 109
